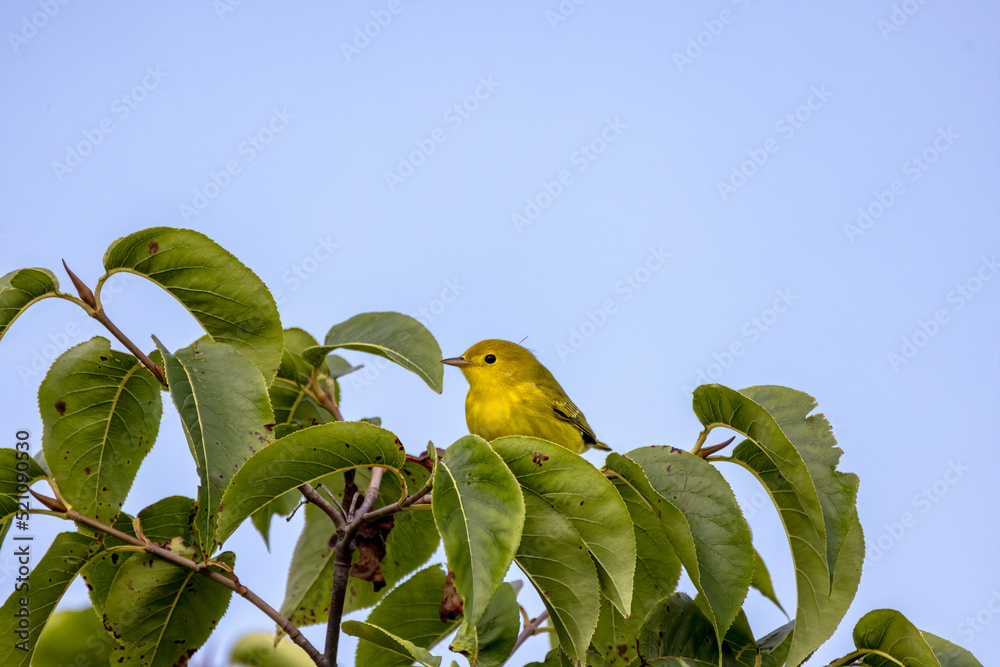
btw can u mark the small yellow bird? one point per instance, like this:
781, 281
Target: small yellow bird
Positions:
512, 393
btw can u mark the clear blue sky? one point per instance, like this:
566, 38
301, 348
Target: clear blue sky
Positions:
654, 193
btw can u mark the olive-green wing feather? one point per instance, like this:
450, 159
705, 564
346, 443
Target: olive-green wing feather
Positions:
566, 410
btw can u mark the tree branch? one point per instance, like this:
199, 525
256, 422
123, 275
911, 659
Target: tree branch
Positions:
153, 548
528, 631
313, 496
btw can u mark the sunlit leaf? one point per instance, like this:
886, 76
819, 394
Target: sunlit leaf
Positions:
225, 412
229, 301
393, 336
100, 411
479, 512
306, 456
21, 288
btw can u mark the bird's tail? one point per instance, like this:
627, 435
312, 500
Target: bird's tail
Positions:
601, 446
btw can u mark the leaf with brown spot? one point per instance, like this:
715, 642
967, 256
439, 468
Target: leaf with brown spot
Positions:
451, 602
95, 449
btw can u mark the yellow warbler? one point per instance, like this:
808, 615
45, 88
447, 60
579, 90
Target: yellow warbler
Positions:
512, 393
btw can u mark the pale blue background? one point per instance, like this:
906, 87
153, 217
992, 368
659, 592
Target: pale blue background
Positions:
447, 229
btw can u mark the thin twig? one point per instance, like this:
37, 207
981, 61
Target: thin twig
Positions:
95, 311
371, 493
102, 317
152, 547
325, 399
335, 513
419, 496
333, 498
528, 631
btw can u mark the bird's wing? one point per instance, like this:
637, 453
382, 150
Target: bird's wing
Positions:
567, 411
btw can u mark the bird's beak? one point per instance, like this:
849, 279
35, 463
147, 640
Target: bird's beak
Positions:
456, 361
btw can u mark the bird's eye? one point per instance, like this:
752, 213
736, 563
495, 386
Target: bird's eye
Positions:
490, 358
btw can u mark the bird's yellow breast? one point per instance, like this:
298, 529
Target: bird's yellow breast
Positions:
493, 410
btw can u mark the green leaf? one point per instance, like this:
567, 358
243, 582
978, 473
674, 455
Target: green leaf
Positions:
258, 650
780, 467
890, 632
229, 301
581, 493
21, 288
657, 569
388, 642
762, 581
223, 405
479, 512
283, 505
305, 456
677, 628
410, 612
393, 336
162, 613
292, 404
827, 570
723, 565
103, 567
310, 574
775, 644
554, 658
167, 519
74, 638
555, 559
18, 471
814, 440
36, 598
100, 411
490, 642
948, 654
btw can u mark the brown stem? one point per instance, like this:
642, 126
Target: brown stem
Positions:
313, 496
152, 547
98, 314
325, 399
528, 631
102, 317
344, 553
